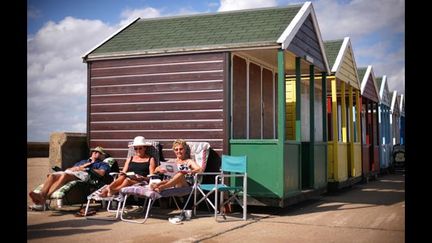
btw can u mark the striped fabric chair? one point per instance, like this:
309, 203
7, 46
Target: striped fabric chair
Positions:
199, 151
95, 196
75, 192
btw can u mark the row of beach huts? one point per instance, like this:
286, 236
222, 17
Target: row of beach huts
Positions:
258, 82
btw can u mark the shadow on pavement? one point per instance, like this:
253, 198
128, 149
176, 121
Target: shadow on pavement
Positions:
53, 229
387, 190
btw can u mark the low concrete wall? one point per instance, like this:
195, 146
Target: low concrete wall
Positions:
65, 149
37, 149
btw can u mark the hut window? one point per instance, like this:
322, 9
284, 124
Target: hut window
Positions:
354, 112
268, 103
375, 123
305, 108
347, 112
253, 100
339, 119
329, 120
318, 111
239, 89
363, 123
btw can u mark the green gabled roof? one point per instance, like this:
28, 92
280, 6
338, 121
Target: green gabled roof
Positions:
256, 27
361, 72
378, 82
332, 49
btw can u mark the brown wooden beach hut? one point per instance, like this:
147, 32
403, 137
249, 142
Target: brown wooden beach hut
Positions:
228, 78
369, 123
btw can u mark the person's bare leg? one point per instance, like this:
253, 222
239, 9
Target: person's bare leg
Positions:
126, 182
177, 180
155, 185
38, 198
114, 184
63, 179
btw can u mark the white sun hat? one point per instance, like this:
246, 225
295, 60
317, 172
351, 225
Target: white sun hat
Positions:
140, 141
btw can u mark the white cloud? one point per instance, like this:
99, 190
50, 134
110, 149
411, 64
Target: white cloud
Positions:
374, 28
57, 77
359, 17
385, 61
227, 5
131, 14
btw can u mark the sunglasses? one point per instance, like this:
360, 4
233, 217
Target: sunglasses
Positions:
178, 149
138, 148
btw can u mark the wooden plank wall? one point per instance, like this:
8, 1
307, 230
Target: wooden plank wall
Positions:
386, 95
160, 98
305, 42
290, 106
348, 70
369, 91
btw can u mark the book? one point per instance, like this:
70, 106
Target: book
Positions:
128, 174
170, 168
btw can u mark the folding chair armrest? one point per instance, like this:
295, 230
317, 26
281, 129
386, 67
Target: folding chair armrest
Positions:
221, 176
225, 175
208, 173
204, 174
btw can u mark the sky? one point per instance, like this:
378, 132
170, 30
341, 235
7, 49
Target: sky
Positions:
60, 32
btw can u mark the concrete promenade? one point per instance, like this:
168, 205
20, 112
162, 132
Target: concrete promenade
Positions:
373, 212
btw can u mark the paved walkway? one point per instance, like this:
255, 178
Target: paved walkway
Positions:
373, 212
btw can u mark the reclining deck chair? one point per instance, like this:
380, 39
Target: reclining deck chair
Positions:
232, 167
95, 196
75, 192
199, 151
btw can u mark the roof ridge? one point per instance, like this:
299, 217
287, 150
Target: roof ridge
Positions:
220, 13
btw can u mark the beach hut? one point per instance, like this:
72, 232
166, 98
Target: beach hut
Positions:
402, 119
395, 118
384, 123
343, 102
233, 79
369, 123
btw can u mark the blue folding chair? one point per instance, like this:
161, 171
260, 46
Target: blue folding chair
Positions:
232, 167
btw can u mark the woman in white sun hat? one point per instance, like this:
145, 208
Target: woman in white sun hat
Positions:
141, 164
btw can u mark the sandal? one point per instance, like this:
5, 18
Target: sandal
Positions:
81, 212
38, 207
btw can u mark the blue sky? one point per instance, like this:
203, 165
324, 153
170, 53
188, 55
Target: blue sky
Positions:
59, 32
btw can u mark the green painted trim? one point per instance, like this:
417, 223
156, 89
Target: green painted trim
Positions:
311, 125
265, 169
292, 142
253, 141
298, 98
281, 97
281, 115
298, 130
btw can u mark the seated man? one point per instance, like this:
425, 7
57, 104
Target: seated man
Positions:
78, 172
